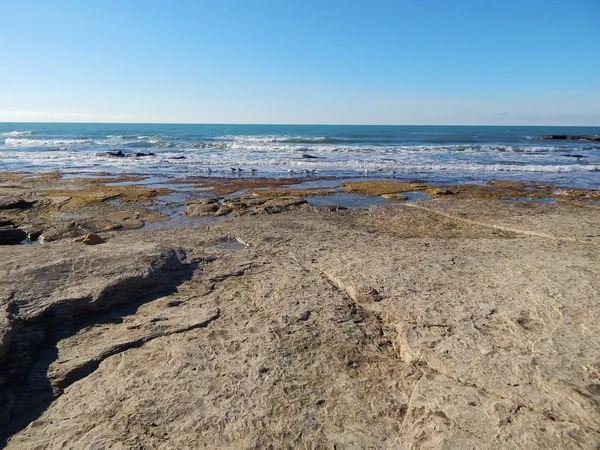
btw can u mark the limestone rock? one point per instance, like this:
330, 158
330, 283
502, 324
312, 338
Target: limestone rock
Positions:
63, 280
440, 324
126, 219
58, 199
253, 201
90, 239
201, 209
280, 204
100, 224
223, 210
204, 201
61, 230
33, 230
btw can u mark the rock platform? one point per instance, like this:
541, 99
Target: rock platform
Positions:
448, 323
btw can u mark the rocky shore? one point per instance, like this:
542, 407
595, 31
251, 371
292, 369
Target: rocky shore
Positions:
52, 206
462, 321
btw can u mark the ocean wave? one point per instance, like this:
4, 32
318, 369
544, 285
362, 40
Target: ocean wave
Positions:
339, 145
439, 167
284, 139
151, 143
205, 145
126, 137
12, 142
17, 133
317, 140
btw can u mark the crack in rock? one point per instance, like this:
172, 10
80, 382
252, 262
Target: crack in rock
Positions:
538, 234
90, 366
419, 359
33, 317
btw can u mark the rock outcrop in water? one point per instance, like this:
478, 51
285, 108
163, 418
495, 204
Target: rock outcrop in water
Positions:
571, 137
441, 324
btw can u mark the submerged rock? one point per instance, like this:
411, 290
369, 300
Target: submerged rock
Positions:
578, 157
394, 197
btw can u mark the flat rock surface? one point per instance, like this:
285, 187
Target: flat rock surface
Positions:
548, 220
447, 324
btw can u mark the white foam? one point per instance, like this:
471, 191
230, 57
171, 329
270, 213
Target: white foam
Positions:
43, 142
17, 133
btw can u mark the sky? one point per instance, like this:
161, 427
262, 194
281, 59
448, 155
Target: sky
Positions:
454, 62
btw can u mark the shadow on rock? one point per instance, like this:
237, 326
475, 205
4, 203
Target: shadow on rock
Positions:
30, 385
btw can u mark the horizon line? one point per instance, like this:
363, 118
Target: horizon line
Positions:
295, 124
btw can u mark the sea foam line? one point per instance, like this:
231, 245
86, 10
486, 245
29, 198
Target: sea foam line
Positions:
17, 133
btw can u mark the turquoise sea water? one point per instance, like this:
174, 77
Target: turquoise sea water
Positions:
445, 154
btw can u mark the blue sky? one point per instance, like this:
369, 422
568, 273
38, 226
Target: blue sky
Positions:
524, 62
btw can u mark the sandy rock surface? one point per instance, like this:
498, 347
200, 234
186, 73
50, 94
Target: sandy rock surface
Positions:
442, 324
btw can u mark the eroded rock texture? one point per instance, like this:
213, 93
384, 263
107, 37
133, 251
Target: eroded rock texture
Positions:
446, 324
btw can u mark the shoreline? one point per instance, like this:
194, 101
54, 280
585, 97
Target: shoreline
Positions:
56, 205
437, 154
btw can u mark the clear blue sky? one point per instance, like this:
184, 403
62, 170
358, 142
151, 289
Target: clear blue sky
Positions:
285, 61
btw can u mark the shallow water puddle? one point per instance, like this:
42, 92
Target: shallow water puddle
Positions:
535, 200
26, 242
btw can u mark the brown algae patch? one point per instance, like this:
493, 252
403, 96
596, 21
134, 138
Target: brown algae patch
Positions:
493, 190
99, 194
104, 180
55, 197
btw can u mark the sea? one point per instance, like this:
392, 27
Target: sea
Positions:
436, 154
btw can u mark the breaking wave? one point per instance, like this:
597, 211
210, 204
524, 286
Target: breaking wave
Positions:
471, 153
17, 133
12, 142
